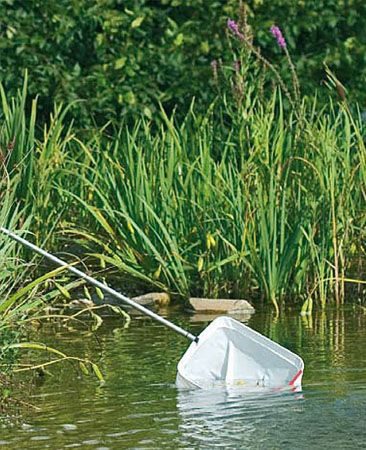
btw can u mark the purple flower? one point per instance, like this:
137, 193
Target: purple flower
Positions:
277, 33
233, 26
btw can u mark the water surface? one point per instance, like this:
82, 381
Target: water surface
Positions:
140, 407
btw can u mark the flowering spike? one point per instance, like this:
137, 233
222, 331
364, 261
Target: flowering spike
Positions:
277, 33
233, 26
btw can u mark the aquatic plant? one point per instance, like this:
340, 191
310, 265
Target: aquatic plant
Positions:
277, 33
260, 197
198, 208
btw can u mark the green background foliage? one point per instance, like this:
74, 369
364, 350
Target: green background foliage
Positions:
122, 56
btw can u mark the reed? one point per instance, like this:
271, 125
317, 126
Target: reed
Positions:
12, 270
31, 159
268, 206
254, 199
35, 155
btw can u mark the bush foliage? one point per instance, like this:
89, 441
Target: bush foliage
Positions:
123, 56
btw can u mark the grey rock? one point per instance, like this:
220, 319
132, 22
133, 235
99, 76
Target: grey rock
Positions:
220, 305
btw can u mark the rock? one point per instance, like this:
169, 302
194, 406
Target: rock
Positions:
220, 305
243, 317
81, 303
153, 298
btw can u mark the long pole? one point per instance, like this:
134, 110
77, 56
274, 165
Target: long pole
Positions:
102, 286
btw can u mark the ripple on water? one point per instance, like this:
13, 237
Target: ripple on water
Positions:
140, 408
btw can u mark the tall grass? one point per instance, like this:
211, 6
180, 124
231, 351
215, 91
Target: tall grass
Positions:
12, 270
269, 206
28, 202
254, 199
35, 166
31, 159
34, 154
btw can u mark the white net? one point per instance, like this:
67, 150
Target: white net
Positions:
231, 353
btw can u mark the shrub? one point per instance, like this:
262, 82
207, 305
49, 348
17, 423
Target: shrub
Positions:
121, 56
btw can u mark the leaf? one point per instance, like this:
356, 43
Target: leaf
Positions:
137, 22
87, 293
209, 240
37, 346
100, 39
120, 311
97, 318
205, 47
83, 368
200, 264
102, 220
130, 98
77, 69
130, 227
4, 274
120, 62
147, 112
157, 273
307, 307
221, 263
99, 293
11, 300
63, 291
97, 372
179, 39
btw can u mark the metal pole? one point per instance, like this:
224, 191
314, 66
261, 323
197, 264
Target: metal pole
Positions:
102, 286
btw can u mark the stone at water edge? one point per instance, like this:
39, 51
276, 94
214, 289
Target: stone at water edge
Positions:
220, 305
210, 316
153, 298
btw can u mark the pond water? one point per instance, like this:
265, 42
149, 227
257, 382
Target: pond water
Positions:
140, 407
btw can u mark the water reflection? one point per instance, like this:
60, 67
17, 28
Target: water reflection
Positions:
286, 421
235, 418
140, 407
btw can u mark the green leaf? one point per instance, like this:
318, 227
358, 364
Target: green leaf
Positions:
99, 293
63, 291
147, 112
179, 39
137, 22
97, 372
129, 97
120, 62
11, 300
205, 46
87, 293
83, 368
